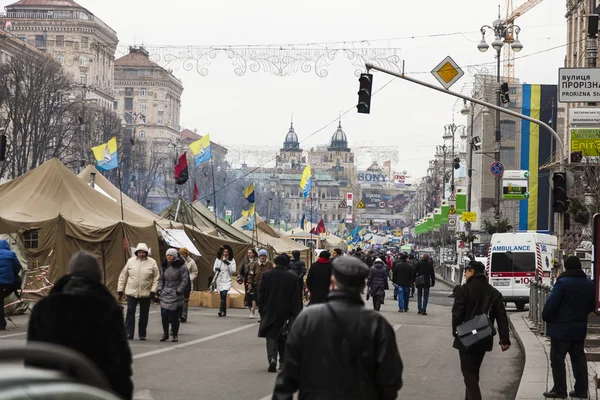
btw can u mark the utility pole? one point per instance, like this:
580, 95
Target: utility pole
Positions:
592, 39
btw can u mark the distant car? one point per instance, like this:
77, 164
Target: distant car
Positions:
72, 375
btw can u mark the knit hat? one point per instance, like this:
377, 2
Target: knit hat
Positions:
263, 252
85, 265
172, 252
572, 262
325, 254
281, 260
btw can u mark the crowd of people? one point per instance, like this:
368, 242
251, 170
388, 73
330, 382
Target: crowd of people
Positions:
335, 348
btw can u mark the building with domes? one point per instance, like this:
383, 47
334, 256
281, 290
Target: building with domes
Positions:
290, 155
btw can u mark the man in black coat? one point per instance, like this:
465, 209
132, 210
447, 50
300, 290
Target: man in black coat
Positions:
80, 313
279, 302
318, 280
566, 312
473, 298
424, 279
341, 350
403, 278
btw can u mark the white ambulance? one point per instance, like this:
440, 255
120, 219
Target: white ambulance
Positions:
516, 259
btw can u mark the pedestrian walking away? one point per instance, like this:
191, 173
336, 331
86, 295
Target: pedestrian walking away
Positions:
477, 297
279, 302
339, 349
424, 279
193, 269
413, 264
80, 313
318, 280
377, 281
255, 277
10, 280
242, 278
403, 278
299, 268
139, 282
224, 268
566, 312
172, 285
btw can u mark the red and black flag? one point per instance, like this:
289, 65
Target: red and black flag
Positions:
196, 193
181, 170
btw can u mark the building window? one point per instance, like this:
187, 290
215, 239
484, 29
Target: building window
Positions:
60, 41
116, 92
512, 90
128, 104
129, 91
40, 41
60, 59
83, 61
142, 135
507, 155
160, 133
161, 94
161, 108
512, 104
84, 42
142, 106
22, 37
115, 105
83, 79
159, 120
142, 118
143, 92
508, 129
31, 239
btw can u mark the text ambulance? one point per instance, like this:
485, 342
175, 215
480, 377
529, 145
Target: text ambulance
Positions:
516, 259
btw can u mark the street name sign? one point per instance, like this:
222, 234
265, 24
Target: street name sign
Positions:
447, 72
584, 116
579, 85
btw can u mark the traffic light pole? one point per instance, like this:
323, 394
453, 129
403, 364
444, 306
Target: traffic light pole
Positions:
561, 150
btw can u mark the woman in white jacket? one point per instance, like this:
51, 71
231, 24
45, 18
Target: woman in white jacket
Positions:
224, 268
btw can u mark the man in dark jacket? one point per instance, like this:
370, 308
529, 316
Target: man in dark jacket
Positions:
566, 313
80, 313
10, 267
279, 302
377, 281
298, 267
424, 279
403, 277
340, 350
318, 280
473, 298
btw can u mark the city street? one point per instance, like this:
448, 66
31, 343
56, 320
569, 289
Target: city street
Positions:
222, 358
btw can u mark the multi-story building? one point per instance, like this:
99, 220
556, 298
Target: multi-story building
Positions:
74, 36
147, 96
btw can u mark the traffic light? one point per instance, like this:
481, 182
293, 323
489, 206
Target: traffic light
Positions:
576, 156
504, 93
364, 93
560, 204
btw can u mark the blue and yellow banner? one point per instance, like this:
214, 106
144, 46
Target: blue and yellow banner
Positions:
201, 149
249, 193
537, 145
106, 155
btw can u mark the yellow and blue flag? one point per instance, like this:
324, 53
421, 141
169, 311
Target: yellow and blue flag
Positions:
306, 181
106, 155
249, 193
201, 149
249, 212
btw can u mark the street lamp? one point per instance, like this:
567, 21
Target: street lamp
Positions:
450, 133
85, 89
130, 118
503, 33
441, 151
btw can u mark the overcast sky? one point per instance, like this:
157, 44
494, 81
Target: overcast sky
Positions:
255, 108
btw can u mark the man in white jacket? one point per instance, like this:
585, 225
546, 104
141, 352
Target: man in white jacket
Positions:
139, 281
193, 268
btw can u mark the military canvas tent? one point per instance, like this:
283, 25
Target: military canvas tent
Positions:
56, 214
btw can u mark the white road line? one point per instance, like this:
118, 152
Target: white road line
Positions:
193, 342
13, 335
396, 327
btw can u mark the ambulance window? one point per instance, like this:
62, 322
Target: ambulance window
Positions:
524, 262
502, 262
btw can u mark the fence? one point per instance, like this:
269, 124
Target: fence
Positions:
538, 294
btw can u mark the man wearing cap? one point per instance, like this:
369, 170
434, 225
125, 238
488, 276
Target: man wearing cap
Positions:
193, 268
477, 297
255, 276
339, 349
566, 314
318, 280
279, 302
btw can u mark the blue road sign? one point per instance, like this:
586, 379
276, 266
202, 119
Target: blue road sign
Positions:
497, 168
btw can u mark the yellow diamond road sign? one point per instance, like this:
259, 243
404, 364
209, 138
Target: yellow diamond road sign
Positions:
360, 205
447, 72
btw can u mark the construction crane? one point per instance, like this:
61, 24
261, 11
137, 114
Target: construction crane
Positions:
509, 54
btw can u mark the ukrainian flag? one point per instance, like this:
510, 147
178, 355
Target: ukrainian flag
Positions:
250, 212
201, 149
249, 193
306, 181
106, 155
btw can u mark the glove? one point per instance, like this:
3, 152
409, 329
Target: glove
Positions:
120, 294
178, 293
159, 292
218, 269
152, 294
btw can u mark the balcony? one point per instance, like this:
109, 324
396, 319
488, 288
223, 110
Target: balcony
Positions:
57, 15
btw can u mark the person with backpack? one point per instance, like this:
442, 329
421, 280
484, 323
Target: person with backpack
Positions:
10, 280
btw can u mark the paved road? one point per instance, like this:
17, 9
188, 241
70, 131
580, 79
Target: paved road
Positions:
221, 358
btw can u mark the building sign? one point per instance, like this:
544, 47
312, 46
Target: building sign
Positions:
515, 185
372, 177
349, 206
585, 140
584, 116
579, 85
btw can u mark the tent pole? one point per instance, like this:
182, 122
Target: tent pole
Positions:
212, 167
177, 212
120, 193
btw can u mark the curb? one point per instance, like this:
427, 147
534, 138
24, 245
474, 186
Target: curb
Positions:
439, 278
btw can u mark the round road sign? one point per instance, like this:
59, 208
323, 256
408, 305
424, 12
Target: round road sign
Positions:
452, 221
382, 204
497, 168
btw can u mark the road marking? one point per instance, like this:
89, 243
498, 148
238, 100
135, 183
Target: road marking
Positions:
143, 395
396, 327
13, 335
193, 342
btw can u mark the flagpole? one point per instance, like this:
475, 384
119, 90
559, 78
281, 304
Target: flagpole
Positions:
121, 193
212, 167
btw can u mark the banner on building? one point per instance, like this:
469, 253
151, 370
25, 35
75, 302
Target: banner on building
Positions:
349, 207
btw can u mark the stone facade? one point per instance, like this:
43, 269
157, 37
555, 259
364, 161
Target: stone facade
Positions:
74, 36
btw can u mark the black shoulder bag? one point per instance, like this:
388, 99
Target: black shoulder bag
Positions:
475, 329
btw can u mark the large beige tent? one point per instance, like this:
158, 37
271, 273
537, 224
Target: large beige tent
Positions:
55, 214
267, 235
